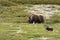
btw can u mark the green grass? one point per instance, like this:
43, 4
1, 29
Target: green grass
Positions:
12, 11
14, 14
8, 31
16, 2
14, 18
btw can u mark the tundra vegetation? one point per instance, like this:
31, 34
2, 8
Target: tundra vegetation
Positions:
14, 21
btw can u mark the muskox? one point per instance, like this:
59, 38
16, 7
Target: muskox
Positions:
49, 28
36, 19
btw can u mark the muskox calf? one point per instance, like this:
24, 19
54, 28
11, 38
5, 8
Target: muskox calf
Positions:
49, 28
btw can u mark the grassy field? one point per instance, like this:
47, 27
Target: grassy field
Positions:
14, 14
25, 31
17, 14
13, 21
16, 2
12, 11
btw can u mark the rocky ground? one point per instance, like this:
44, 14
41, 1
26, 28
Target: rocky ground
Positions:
45, 9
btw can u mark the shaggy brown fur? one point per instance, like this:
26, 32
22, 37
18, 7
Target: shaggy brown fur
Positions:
36, 19
49, 28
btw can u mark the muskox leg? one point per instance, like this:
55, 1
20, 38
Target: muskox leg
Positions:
33, 22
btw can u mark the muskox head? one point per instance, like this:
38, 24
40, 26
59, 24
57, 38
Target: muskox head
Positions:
36, 19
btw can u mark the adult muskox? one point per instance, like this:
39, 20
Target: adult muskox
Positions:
36, 19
